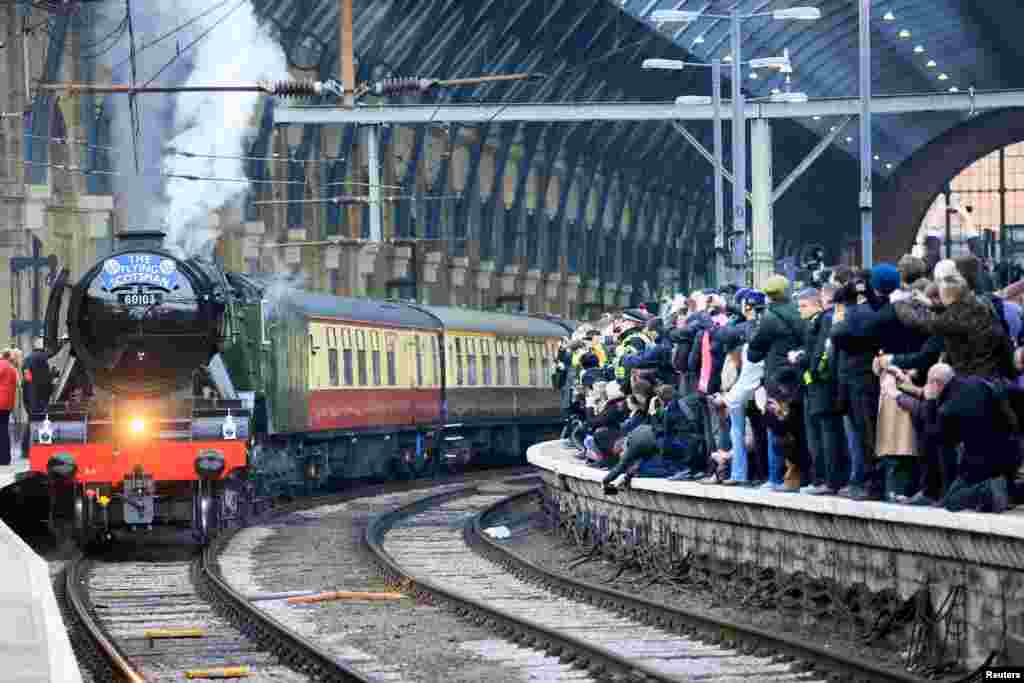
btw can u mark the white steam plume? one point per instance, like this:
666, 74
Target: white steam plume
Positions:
238, 50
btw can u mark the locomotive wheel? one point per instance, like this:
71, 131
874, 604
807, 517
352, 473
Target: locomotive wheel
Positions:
204, 516
83, 518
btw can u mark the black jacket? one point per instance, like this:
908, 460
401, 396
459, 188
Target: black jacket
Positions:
973, 411
818, 367
780, 331
853, 367
38, 385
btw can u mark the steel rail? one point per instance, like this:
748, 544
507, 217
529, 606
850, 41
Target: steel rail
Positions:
684, 621
108, 662
77, 599
292, 649
596, 659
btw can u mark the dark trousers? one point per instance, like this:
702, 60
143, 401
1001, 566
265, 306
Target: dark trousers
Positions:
5, 437
640, 444
863, 411
937, 470
827, 443
757, 459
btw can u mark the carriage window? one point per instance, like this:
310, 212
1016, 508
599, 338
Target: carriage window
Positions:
545, 374
471, 361
347, 358
485, 362
419, 362
332, 366
436, 376
533, 371
392, 370
361, 360
458, 362
513, 364
376, 367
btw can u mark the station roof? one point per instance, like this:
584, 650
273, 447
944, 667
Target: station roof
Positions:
592, 50
917, 46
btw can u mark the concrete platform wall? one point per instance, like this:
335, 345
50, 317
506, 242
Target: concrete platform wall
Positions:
974, 560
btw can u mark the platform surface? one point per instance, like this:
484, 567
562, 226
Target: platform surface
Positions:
554, 457
8, 472
34, 644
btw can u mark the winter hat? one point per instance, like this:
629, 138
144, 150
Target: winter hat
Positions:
885, 279
752, 297
776, 286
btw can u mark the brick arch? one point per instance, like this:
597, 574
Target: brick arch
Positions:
901, 207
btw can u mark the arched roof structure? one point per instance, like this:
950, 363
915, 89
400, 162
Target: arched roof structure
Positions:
593, 50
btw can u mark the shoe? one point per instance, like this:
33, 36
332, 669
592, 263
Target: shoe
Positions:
922, 500
845, 491
710, 479
767, 486
682, 475
858, 493
733, 482
1000, 494
783, 488
808, 489
818, 490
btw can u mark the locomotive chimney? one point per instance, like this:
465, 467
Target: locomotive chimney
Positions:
140, 239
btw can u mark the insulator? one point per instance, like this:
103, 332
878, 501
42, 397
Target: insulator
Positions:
398, 86
294, 88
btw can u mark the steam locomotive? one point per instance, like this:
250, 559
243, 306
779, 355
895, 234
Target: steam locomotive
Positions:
186, 394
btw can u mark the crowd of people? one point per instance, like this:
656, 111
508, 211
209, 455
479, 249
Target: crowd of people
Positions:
902, 383
25, 387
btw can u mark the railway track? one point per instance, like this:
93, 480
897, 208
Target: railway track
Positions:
174, 618
437, 547
109, 602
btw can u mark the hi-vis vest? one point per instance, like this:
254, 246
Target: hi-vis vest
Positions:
597, 349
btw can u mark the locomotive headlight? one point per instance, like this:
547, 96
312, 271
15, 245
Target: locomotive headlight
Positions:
137, 425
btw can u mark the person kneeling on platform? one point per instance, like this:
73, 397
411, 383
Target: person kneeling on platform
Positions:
669, 442
976, 414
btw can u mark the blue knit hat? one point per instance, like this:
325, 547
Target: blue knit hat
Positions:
885, 279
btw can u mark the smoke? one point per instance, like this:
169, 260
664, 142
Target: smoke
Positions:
281, 284
236, 49
139, 196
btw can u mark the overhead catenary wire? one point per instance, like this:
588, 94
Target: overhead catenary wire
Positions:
280, 158
70, 168
177, 29
193, 43
357, 199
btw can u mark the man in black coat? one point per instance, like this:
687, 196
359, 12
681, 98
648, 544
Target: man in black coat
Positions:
38, 379
37, 388
780, 331
975, 414
824, 425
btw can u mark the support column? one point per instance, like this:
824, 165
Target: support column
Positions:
373, 171
484, 275
764, 232
867, 237
458, 266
